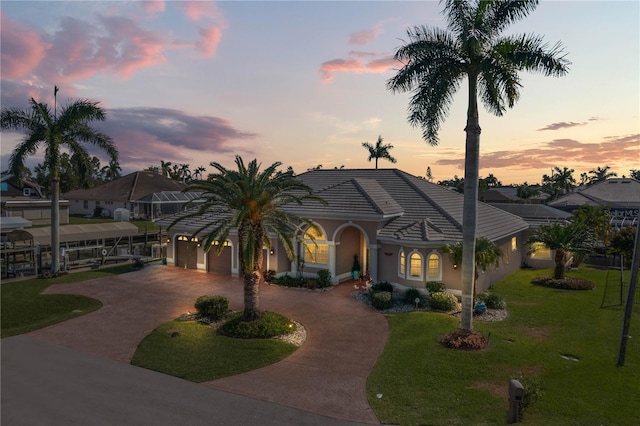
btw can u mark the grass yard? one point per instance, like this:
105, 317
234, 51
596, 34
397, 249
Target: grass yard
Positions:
24, 309
422, 382
195, 352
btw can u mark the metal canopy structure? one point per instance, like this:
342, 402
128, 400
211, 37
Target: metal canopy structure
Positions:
160, 204
97, 231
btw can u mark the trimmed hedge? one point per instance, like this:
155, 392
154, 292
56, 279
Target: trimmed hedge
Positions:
382, 286
270, 324
442, 301
565, 283
212, 307
381, 300
492, 300
434, 287
410, 296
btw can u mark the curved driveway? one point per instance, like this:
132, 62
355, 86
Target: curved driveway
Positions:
327, 375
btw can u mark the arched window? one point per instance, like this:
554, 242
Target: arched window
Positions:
415, 266
434, 267
402, 271
316, 249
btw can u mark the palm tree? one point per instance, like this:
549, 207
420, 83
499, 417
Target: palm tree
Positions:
594, 218
165, 168
487, 254
526, 192
436, 62
56, 130
574, 237
379, 151
600, 174
250, 201
560, 182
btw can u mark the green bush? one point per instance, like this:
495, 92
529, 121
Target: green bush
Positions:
289, 281
383, 286
381, 300
324, 278
565, 283
269, 275
434, 287
270, 324
492, 300
212, 307
410, 296
442, 301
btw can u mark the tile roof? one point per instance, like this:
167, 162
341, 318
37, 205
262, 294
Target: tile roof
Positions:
131, 187
613, 193
534, 214
406, 207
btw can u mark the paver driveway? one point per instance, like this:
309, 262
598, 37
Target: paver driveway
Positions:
327, 375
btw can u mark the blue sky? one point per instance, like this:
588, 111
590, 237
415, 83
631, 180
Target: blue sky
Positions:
304, 83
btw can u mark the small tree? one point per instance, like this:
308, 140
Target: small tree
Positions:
379, 151
574, 237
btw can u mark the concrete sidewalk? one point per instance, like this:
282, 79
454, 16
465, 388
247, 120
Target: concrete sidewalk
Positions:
326, 376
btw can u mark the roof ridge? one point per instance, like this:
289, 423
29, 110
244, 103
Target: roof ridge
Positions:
366, 194
427, 198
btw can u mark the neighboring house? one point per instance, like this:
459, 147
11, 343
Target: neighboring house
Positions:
396, 224
621, 196
25, 200
122, 193
509, 194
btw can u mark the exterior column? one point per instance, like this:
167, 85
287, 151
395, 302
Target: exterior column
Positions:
332, 261
373, 259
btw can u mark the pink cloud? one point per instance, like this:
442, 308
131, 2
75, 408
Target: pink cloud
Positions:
365, 36
196, 10
80, 49
561, 152
22, 48
153, 6
356, 64
209, 40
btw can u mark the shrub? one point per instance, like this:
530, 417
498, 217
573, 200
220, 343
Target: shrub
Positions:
381, 300
442, 301
324, 278
410, 296
435, 287
289, 281
383, 286
492, 300
269, 275
212, 307
270, 324
565, 283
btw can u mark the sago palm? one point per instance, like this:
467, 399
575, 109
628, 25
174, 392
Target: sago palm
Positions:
379, 151
57, 131
251, 202
436, 61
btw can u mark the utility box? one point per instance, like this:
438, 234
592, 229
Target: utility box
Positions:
516, 395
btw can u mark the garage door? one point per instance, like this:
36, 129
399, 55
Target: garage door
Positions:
220, 264
186, 254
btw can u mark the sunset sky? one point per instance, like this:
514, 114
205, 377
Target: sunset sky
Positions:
304, 83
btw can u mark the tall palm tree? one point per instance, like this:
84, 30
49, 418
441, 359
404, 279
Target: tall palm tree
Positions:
487, 254
56, 130
574, 237
165, 168
600, 174
250, 201
436, 62
379, 151
560, 182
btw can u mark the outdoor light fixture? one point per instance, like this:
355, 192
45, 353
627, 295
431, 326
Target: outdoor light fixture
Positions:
455, 266
272, 252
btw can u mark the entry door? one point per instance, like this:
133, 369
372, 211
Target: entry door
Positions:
186, 254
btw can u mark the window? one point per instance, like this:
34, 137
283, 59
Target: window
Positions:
433, 267
415, 265
85, 204
26, 192
514, 244
401, 264
540, 251
316, 249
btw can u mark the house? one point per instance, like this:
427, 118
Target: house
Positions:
620, 196
394, 222
509, 194
26, 200
123, 193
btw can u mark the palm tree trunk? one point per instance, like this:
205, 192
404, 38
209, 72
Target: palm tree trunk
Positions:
251, 311
470, 209
55, 225
558, 272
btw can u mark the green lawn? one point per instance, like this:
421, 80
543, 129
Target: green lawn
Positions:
195, 352
24, 309
141, 224
422, 382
